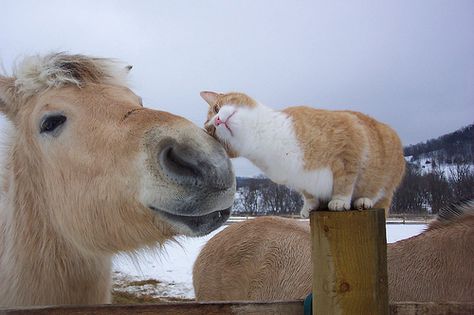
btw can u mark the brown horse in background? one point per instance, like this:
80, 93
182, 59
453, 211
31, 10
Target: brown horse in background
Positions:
87, 172
269, 258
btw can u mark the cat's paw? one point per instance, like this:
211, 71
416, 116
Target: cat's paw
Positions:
363, 203
305, 213
306, 210
310, 204
338, 204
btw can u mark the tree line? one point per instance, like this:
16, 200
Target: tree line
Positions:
420, 192
261, 196
428, 192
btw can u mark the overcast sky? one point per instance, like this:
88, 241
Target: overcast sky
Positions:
406, 63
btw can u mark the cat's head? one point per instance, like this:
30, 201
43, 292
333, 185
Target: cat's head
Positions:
225, 115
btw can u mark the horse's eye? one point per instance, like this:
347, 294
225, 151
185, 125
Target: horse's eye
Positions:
50, 123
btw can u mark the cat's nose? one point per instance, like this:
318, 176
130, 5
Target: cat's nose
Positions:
218, 121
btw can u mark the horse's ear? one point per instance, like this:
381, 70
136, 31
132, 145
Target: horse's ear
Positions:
7, 87
209, 97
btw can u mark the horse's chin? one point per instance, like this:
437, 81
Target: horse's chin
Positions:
194, 225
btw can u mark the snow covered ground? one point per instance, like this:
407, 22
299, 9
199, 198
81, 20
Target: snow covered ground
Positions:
172, 265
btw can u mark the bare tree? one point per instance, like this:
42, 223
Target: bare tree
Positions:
280, 199
439, 192
410, 197
250, 196
462, 181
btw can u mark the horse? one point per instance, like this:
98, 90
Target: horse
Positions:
263, 259
269, 259
87, 171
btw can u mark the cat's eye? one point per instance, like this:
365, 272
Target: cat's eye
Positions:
51, 123
216, 109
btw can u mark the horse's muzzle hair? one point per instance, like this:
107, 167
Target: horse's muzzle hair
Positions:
200, 178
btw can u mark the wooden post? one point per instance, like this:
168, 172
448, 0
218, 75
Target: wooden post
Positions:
349, 254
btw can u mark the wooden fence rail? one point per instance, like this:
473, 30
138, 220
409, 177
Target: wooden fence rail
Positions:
188, 308
231, 308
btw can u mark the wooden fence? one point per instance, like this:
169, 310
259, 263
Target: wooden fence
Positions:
350, 268
232, 308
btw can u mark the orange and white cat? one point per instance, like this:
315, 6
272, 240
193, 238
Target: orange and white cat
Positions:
336, 159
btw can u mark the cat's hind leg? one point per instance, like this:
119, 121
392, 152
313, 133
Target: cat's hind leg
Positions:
345, 175
363, 203
384, 203
370, 197
310, 203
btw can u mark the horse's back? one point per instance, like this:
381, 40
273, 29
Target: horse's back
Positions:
255, 260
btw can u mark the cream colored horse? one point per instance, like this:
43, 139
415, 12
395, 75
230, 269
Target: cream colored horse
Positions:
87, 172
269, 259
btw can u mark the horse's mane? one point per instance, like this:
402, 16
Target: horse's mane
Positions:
35, 74
452, 213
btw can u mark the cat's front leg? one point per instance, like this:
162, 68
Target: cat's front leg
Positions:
310, 203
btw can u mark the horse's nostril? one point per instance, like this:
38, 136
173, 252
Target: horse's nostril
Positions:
178, 163
188, 163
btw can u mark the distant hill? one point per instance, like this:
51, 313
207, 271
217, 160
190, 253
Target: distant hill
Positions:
454, 147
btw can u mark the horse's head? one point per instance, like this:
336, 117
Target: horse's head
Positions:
106, 172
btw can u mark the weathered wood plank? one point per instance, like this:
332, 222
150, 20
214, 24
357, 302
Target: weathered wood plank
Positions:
188, 308
431, 308
349, 253
241, 308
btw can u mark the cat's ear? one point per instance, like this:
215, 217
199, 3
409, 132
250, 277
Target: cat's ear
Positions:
209, 97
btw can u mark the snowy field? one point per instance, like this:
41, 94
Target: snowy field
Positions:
172, 265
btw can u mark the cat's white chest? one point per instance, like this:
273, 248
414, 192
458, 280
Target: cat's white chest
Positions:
271, 144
